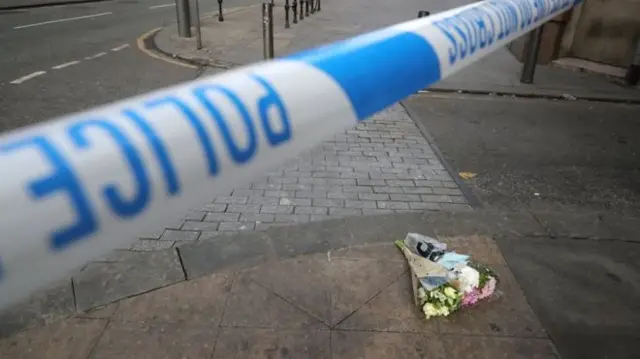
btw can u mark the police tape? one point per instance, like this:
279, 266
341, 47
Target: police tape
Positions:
75, 188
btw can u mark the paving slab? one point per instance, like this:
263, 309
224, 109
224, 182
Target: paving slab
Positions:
69, 339
125, 274
42, 307
574, 225
207, 257
486, 222
258, 343
627, 228
201, 301
467, 347
340, 285
254, 306
154, 341
585, 292
347, 345
392, 310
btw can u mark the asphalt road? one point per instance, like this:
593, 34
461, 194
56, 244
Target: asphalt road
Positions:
539, 154
63, 59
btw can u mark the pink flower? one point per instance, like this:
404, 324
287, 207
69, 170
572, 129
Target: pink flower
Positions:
488, 289
470, 298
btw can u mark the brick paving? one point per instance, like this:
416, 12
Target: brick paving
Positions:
383, 165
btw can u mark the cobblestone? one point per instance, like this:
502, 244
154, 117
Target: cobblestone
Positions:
360, 204
221, 217
292, 218
236, 226
392, 205
146, 245
343, 195
176, 235
383, 165
344, 211
277, 209
311, 210
328, 202
199, 226
295, 201
406, 197
438, 198
373, 196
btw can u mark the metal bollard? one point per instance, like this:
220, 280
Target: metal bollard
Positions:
294, 7
184, 21
220, 17
302, 9
270, 28
306, 8
531, 56
267, 29
286, 14
632, 76
196, 19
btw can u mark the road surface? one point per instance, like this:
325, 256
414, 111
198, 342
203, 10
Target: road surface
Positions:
63, 59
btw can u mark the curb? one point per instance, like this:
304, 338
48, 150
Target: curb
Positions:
146, 43
192, 62
571, 97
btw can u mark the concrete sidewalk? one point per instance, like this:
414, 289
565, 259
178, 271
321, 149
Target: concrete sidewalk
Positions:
340, 289
238, 41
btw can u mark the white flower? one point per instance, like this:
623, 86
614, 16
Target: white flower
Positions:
451, 292
430, 310
469, 279
444, 311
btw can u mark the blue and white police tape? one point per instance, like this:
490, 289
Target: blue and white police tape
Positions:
82, 185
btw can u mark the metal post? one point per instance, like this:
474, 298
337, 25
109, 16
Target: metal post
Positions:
633, 73
531, 56
184, 22
306, 8
294, 7
286, 14
270, 28
220, 17
267, 29
301, 2
197, 23
264, 31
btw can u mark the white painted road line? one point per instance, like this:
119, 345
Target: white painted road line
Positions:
159, 6
121, 47
62, 66
63, 20
28, 77
95, 56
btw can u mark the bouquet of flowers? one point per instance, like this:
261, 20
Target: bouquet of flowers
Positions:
445, 281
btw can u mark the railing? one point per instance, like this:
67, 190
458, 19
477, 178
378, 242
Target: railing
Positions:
77, 187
